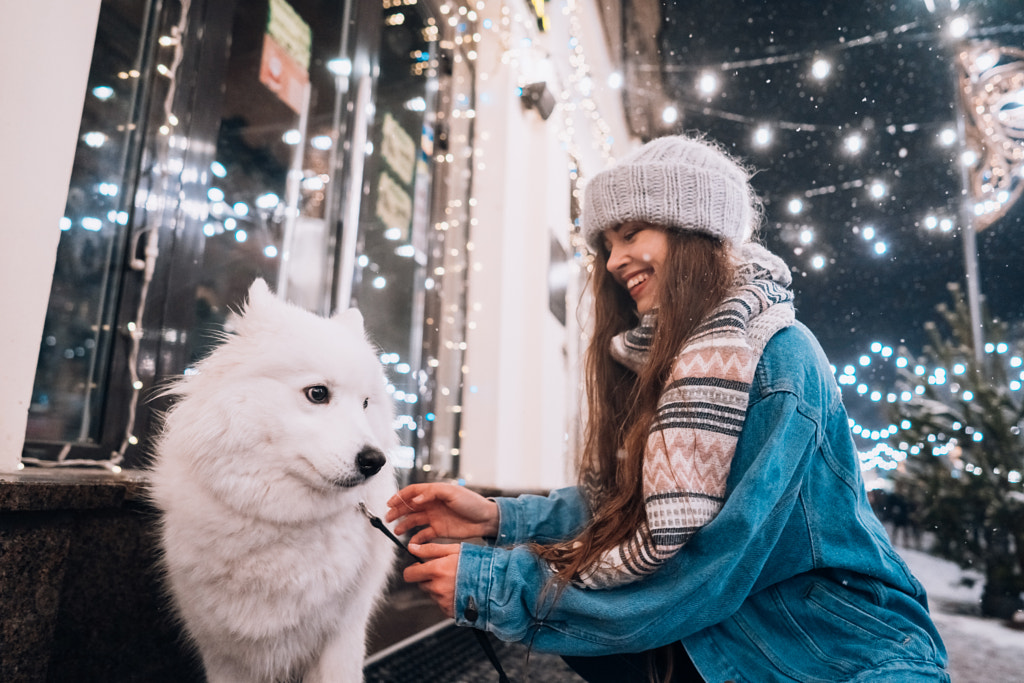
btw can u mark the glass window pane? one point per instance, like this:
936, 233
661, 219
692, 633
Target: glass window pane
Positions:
70, 381
269, 182
395, 209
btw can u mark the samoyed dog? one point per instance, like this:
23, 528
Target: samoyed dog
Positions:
259, 471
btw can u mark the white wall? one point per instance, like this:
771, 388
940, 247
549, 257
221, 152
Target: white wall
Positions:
45, 50
522, 379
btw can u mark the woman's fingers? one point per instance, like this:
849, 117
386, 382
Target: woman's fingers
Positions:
424, 535
446, 509
413, 497
406, 503
411, 521
432, 551
436, 574
429, 570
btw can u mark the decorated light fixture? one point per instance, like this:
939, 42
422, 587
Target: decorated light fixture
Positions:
991, 88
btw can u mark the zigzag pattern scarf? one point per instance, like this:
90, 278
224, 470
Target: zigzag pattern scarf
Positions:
699, 416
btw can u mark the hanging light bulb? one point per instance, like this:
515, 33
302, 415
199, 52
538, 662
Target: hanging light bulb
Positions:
707, 84
959, 27
854, 143
821, 68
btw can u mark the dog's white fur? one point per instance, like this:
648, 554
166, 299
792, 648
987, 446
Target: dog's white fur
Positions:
270, 565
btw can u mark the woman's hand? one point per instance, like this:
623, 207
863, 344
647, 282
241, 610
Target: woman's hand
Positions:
436, 574
444, 510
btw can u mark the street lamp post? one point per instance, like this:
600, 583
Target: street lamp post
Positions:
989, 100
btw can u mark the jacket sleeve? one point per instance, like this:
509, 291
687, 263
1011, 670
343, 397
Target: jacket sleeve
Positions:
544, 519
708, 580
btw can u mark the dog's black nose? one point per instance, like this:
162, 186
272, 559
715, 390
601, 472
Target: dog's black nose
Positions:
369, 461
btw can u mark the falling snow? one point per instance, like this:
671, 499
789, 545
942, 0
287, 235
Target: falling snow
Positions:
859, 98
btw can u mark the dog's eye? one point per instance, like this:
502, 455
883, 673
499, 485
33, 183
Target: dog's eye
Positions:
366, 403
318, 393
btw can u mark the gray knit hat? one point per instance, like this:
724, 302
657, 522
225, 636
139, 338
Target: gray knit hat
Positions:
675, 182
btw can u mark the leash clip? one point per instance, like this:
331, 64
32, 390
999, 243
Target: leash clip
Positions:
481, 637
378, 523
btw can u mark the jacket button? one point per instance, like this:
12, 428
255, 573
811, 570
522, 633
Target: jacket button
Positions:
471, 613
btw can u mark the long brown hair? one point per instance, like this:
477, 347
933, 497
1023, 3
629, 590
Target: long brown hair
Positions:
697, 274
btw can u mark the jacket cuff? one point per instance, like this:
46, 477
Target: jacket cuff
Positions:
510, 527
472, 584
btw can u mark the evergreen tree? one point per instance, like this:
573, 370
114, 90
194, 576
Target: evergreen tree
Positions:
963, 430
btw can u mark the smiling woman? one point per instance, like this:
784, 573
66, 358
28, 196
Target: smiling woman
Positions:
720, 529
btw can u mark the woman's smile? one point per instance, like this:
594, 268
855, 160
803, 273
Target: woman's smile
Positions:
636, 281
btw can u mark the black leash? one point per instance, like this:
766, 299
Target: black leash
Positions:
480, 635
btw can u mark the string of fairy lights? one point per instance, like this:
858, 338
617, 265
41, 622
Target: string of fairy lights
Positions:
995, 191
515, 30
885, 359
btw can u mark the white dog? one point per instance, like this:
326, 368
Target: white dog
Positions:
259, 471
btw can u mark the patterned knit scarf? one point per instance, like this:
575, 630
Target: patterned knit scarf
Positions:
699, 416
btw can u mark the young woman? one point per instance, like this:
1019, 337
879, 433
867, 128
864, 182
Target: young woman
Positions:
720, 514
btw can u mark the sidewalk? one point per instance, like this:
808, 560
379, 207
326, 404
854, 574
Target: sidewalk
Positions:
980, 650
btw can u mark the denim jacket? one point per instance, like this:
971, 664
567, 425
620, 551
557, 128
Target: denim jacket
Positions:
794, 580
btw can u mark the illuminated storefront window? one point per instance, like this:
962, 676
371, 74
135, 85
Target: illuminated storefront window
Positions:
221, 142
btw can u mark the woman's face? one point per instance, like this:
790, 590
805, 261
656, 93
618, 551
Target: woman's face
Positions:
637, 253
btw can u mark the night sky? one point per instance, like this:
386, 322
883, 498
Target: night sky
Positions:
892, 81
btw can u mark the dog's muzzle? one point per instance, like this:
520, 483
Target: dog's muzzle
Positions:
369, 461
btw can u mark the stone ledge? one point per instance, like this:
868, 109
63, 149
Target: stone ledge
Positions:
38, 490
80, 595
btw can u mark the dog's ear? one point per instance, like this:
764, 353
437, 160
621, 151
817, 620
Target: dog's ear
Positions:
351, 317
259, 291
259, 298
258, 304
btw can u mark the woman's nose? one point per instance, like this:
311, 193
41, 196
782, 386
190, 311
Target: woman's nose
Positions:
616, 259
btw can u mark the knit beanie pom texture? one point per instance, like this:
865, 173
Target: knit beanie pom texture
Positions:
675, 182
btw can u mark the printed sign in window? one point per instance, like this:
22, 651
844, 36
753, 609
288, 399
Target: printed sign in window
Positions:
398, 149
287, 46
394, 206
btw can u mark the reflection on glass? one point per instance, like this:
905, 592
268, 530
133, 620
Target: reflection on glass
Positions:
271, 173
395, 210
74, 352
237, 169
